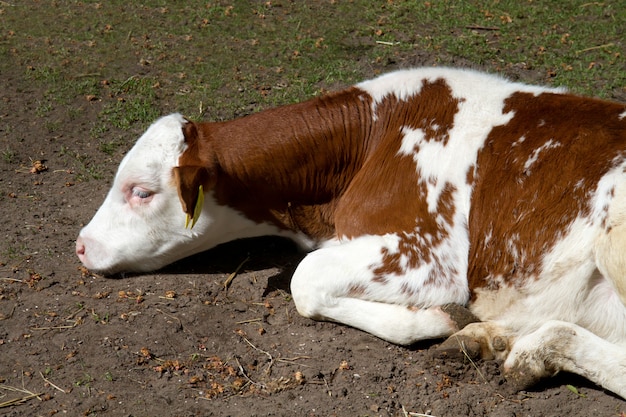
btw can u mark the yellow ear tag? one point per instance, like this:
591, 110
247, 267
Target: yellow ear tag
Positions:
196, 210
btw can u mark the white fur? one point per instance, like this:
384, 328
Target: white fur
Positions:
550, 144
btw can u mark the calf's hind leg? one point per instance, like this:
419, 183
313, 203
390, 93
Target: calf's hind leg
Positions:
336, 283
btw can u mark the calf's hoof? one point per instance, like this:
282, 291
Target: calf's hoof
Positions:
520, 380
458, 347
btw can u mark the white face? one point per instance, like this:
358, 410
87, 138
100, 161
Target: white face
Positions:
140, 225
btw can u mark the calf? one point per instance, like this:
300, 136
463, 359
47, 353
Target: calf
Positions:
417, 190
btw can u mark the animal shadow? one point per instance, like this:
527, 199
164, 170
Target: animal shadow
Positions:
256, 254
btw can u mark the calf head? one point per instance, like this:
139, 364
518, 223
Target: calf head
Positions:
156, 211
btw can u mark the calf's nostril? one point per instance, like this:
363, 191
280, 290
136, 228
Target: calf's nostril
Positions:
80, 247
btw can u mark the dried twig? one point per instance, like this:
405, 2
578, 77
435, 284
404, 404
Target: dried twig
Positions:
271, 359
411, 414
129, 79
245, 375
294, 359
75, 313
388, 43
232, 276
464, 350
16, 401
606, 45
55, 327
250, 321
180, 323
51, 384
88, 75
19, 400
13, 280
291, 361
68, 318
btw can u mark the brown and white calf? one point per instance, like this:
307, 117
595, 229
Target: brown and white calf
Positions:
416, 190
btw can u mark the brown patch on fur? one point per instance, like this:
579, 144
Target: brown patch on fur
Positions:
395, 198
525, 211
470, 175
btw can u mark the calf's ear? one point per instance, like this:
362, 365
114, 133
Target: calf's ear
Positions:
192, 182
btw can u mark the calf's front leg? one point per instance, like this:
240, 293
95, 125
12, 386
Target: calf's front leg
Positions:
337, 283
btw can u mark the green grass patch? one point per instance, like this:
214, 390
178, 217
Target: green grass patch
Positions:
223, 59
8, 155
85, 167
577, 44
134, 102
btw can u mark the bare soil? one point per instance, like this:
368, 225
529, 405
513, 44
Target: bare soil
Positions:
179, 342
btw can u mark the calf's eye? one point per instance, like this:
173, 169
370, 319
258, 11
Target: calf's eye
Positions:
141, 193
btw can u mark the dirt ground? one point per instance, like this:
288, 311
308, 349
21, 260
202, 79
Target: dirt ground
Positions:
179, 342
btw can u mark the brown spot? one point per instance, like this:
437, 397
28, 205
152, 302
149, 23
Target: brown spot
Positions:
387, 195
357, 290
380, 279
471, 172
406, 289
